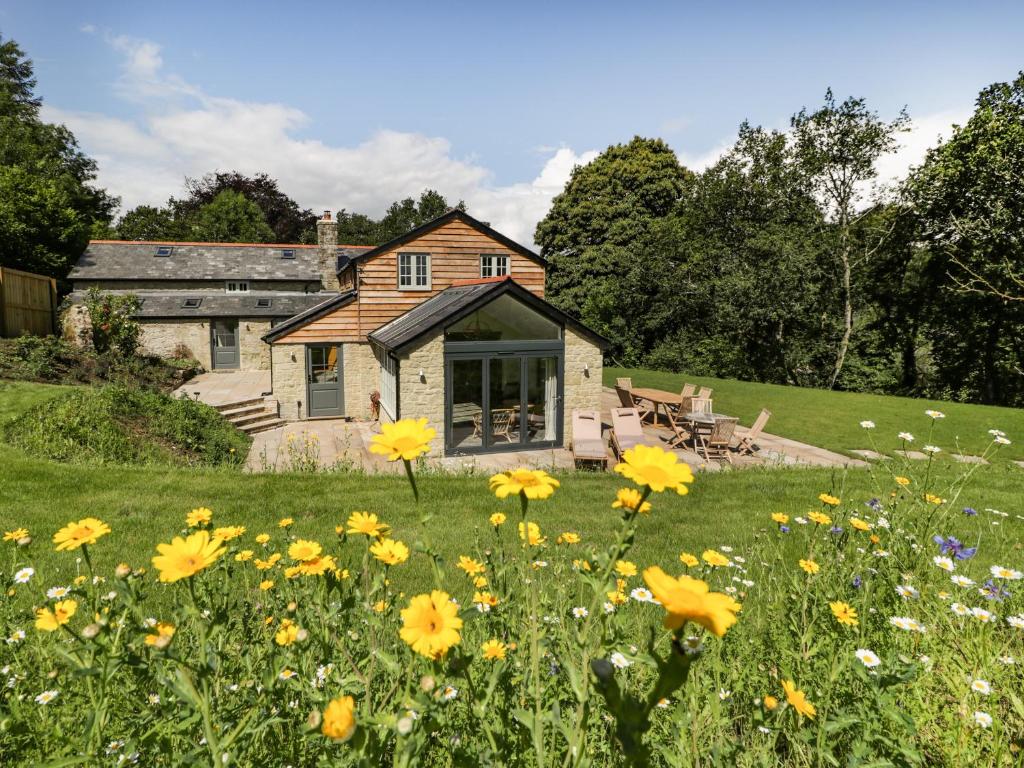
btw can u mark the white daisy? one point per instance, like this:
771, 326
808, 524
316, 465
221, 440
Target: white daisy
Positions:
933, 449
983, 719
692, 646
24, 575
46, 697
906, 437
609, 607
450, 692
997, 433
959, 609
867, 424
619, 661
580, 612
1007, 660
1005, 573
723, 694
961, 581
1000, 440
642, 595
663, 703
58, 593
867, 658
981, 686
1017, 622
154, 698
800, 520
982, 615
944, 563
287, 674
725, 548
907, 592
935, 414
16, 636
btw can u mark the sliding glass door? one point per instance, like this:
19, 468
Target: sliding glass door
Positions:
502, 401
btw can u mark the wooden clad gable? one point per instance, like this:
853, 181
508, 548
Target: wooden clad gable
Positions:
455, 248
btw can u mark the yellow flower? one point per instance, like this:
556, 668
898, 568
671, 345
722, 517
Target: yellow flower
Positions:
183, 558
262, 538
532, 483
198, 516
931, 498
832, 501
266, 584
339, 719
304, 549
229, 532
17, 533
85, 531
569, 538
366, 524
244, 556
406, 439
316, 566
780, 518
617, 598
497, 519
714, 558
50, 621
810, 566
656, 468
390, 552
688, 599
431, 624
284, 522
480, 582
629, 499
798, 700
625, 568
535, 538
904, 481
163, 629
820, 518
770, 702
380, 606
287, 633
581, 565
874, 538
860, 525
484, 598
845, 614
270, 562
470, 566
494, 650
688, 560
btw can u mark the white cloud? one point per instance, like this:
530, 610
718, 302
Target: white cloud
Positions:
182, 131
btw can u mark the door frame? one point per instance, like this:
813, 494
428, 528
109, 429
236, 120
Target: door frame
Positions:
341, 380
495, 351
213, 344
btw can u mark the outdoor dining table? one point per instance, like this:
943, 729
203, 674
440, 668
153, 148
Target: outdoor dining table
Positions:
700, 417
658, 398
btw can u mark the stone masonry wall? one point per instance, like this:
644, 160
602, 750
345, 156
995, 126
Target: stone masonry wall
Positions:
253, 352
163, 337
362, 376
582, 390
424, 397
289, 379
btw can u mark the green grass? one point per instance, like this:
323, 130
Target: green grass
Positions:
832, 419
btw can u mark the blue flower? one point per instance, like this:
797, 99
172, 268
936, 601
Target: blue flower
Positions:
783, 529
970, 511
953, 546
835, 530
857, 581
992, 591
875, 504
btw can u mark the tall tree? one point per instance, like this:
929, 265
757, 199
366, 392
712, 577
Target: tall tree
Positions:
400, 217
48, 202
231, 217
837, 147
590, 233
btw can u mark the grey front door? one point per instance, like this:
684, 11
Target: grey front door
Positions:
323, 372
224, 343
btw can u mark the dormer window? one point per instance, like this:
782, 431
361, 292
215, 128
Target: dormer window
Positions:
164, 250
288, 253
236, 286
493, 266
191, 303
414, 271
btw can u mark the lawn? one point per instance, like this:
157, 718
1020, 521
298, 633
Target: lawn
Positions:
832, 419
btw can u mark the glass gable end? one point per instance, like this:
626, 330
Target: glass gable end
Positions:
504, 319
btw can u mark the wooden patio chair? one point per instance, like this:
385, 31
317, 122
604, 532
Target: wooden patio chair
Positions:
685, 429
627, 430
701, 405
587, 443
715, 443
746, 445
626, 400
625, 383
674, 412
503, 423
705, 392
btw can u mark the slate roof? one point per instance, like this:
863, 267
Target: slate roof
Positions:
132, 260
158, 304
461, 299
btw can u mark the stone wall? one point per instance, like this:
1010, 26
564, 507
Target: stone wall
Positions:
163, 338
289, 379
582, 390
253, 351
362, 376
420, 397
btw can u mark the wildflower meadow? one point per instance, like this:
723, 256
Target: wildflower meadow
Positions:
868, 631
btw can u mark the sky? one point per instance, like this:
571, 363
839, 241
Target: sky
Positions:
354, 105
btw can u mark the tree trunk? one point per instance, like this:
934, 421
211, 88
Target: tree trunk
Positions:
844, 343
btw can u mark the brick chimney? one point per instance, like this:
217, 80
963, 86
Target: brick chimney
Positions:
327, 252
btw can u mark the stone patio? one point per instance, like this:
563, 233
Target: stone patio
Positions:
220, 387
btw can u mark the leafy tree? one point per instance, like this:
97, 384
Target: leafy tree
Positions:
48, 204
357, 229
837, 147
590, 234
147, 222
289, 222
401, 217
231, 218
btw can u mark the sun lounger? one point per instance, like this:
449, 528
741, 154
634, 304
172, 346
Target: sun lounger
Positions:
627, 430
587, 443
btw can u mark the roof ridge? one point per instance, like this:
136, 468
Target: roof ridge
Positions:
225, 245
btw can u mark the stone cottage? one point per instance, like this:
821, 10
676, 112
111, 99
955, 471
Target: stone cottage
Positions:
446, 322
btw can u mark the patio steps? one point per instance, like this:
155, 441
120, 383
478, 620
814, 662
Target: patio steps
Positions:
254, 415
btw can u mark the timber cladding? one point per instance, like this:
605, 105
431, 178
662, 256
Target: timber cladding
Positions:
455, 249
28, 303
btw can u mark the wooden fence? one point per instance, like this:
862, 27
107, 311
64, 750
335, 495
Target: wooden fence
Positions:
28, 303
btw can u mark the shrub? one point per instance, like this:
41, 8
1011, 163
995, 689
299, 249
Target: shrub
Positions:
111, 317
125, 425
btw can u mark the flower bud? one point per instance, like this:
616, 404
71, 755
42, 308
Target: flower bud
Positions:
89, 631
314, 720
301, 636
123, 571
24, 541
292, 606
427, 683
162, 641
404, 725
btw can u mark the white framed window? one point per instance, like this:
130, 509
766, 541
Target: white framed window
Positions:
236, 286
389, 385
414, 271
493, 266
